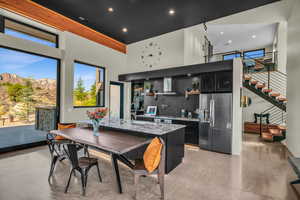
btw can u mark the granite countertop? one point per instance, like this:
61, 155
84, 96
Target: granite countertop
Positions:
170, 117
140, 126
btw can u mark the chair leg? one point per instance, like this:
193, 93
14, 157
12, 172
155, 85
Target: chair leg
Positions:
68, 184
53, 163
136, 181
83, 182
98, 170
295, 182
162, 185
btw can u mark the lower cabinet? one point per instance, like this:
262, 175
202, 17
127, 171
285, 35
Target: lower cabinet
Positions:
191, 130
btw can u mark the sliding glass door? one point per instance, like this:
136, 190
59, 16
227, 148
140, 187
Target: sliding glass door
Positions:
27, 81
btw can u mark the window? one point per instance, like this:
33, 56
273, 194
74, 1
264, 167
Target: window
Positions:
231, 56
254, 54
89, 85
27, 81
27, 32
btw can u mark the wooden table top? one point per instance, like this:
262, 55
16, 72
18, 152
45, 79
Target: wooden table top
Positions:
112, 141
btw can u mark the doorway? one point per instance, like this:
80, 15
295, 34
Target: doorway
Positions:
116, 100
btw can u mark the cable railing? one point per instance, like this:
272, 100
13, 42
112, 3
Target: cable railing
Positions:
276, 116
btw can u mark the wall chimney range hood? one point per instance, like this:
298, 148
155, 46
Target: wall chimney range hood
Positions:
168, 87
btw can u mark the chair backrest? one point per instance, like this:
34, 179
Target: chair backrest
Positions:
73, 156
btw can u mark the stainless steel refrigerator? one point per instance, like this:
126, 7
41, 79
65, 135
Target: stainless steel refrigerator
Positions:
215, 127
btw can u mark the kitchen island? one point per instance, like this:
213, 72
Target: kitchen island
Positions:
172, 134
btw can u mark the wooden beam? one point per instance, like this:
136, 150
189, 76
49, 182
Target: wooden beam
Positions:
51, 18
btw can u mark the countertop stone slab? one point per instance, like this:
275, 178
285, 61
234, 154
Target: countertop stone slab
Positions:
139, 126
170, 117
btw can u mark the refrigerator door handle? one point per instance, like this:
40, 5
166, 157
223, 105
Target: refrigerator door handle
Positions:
213, 113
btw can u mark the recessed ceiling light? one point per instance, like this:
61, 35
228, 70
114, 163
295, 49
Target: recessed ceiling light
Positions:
81, 18
171, 12
221, 32
229, 41
110, 9
125, 30
253, 36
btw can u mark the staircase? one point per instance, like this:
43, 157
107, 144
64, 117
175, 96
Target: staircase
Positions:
270, 84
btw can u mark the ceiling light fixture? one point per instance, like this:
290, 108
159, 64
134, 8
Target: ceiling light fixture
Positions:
221, 32
81, 18
253, 36
229, 41
125, 30
171, 12
110, 9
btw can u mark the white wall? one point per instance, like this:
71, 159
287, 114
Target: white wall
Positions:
237, 110
84, 50
72, 47
293, 71
281, 45
193, 45
171, 45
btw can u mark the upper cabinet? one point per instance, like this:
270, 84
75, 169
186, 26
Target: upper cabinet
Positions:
224, 81
208, 82
216, 82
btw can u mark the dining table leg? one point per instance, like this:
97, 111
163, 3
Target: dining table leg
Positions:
114, 161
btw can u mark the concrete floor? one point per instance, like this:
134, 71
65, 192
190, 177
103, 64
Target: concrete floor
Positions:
261, 173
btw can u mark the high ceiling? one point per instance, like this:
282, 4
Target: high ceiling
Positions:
241, 36
146, 18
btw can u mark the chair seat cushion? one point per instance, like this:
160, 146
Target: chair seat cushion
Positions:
85, 162
152, 155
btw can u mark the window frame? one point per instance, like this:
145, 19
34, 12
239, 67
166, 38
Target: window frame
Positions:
232, 54
264, 54
1, 24
2, 29
104, 82
58, 76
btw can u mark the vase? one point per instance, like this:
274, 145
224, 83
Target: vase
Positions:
95, 128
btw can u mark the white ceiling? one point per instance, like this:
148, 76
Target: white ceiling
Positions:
241, 36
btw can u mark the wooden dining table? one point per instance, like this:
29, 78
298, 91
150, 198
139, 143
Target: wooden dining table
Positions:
116, 143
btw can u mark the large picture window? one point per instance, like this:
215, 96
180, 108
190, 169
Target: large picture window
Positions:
24, 31
27, 81
89, 85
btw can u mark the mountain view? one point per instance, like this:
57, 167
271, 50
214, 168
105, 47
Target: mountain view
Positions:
19, 96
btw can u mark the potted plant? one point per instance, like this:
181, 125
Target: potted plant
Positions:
95, 117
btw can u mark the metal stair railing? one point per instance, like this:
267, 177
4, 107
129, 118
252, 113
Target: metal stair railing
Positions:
277, 116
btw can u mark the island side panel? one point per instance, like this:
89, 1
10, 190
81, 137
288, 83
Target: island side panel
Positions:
174, 148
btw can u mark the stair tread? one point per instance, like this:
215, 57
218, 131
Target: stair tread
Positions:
275, 132
267, 136
267, 90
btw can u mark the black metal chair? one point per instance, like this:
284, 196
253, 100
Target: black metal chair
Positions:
82, 165
56, 151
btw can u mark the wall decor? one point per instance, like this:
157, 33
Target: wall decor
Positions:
151, 55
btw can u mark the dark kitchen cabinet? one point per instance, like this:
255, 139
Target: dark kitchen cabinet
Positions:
208, 82
191, 131
216, 82
224, 81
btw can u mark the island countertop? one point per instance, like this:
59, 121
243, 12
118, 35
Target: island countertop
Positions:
140, 126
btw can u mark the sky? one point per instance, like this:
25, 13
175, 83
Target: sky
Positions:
33, 66
86, 73
27, 65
